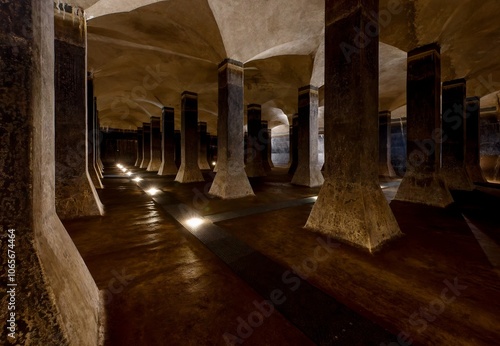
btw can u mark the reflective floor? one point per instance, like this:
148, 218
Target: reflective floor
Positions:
186, 269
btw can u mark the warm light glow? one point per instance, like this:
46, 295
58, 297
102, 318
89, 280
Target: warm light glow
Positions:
152, 191
214, 163
124, 170
129, 173
137, 180
315, 198
119, 166
194, 222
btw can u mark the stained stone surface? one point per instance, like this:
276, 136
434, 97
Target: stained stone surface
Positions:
155, 145
351, 205
91, 143
146, 145
202, 146
294, 145
264, 133
385, 168
97, 141
189, 172
57, 301
75, 193
231, 181
308, 171
472, 147
422, 182
139, 147
168, 166
254, 166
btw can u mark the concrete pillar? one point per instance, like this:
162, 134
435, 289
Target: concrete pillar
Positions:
91, 143
270, 147
168, 166
264, 134
75, 194
189, 172
308, 172
231, 180
178, 156
146, 145
213, 150
97, 140
99, 143
294, 145
57, 301
155, 145
351, 206
422, 182
254, 167
202, 146
453, 138
472, 147
385, 168
139, 147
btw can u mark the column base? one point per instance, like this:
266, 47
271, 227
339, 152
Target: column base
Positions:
428, 189
94, 177
168, 169
154, 166
204, 165
189, 175
355, 213
144, 164
475, 173
308, 176
456, 178
78, 199
232, 185
386, 171
255, 171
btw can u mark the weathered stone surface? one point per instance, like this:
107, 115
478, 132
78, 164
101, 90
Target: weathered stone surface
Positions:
453, 138
385, 168
254, 166
294, 145
351, 205
472, 146
189, 172
168, 166
91, 143
155, 145
139, 148
270, 147
75, 194
308, 171
398, 146
264, 134
422, 182
231, 180
146, 145
203, 146
57, 301
97, 141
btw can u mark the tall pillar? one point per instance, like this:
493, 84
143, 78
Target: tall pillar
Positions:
57, 301
75, 194
178, 156
91, 145
422, 182
294, 145
97, 140
264, 135
213, 150
231, 180
168, 166
453, 138
139, 147
189, 172
270, 147
254, 167
351, 206
308, 172
472, 147
155, 145
202, 146
385, 168
146, 145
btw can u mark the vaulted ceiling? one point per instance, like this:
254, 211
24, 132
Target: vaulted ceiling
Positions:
145, 53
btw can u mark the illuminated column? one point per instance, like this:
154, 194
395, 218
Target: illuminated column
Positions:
155, 145
202, 146
168, 166
254, 166
139, 147
146, 145
91, 139
294, 145
385, 168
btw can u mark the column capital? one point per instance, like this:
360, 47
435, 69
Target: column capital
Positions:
424, 50
454, 83
232, 62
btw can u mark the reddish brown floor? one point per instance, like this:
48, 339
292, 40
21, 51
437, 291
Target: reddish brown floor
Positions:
182, 294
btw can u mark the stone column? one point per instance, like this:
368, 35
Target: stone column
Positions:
168, 166
189, 172
178, 156
97, 140
213, 150
75, 194
155, 145
294, 145
139, 147
270, 147
146, 145
385, 168
231, 180
264, 135
57, 301
453, 138
202, 146
472, 147
308, 172
254, 167
422, 182
91, 144
351, 205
